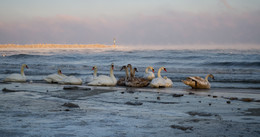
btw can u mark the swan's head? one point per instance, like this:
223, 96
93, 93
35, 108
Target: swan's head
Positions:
164, 69
124, 67
59, 72
135, 69
153, 70
129, 65
210, 75
24, 65
95, 67
112, 66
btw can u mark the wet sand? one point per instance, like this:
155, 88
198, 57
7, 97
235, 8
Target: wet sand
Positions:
37, 109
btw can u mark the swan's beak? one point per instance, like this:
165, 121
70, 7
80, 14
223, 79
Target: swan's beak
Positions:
153, 70
165, 70
122, 68
93, 68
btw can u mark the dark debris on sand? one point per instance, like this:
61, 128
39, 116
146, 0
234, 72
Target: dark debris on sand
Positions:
134, 103
181, 127
177, 95
71, 105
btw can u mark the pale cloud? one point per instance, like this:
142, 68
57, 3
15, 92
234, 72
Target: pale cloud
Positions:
167, 29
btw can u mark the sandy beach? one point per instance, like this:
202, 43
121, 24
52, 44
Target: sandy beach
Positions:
38, 109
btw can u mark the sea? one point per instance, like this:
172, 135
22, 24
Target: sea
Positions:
232, 69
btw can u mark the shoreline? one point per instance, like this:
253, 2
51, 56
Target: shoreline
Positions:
33, 109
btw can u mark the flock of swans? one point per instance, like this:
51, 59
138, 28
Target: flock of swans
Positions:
129, 80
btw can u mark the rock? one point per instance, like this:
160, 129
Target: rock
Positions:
177, 95
199, 101
158, 98
134, 103
209, 104
131, 92
136, 97
191, 93
192, 113
214, 96
246, 99
228, 102
71, 105
69, 87
122, 92
9, 90
209, 95
181, 127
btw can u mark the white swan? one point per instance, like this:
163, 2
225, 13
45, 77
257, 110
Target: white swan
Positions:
55, 78
161, 82
148, 74
17, 77
198, 82
92, 77
103, 80
71, 80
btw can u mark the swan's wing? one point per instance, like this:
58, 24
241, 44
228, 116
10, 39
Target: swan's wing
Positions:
71, 80
196, 78
168, 82
89, 78
150, 75
137, 82
157, 82
102, 80
15, 78
53, 78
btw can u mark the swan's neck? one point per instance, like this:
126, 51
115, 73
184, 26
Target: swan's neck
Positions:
95, 72
111, 72
159, 73
22, 70
131, 71
206, 78
126, 73
146, 70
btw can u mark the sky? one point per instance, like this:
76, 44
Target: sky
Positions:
135, 22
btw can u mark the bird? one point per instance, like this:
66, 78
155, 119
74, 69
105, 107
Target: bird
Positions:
92, 77
17, 77
133, 81
161, 82
55, 78
148, 74
103, 80
198, 82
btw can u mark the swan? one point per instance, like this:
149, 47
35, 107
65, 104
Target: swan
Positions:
71, 80
148, 74
135, 81
17, 77
161, 82
121, 81
198, 82
91, 78
103, 80
55, 78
